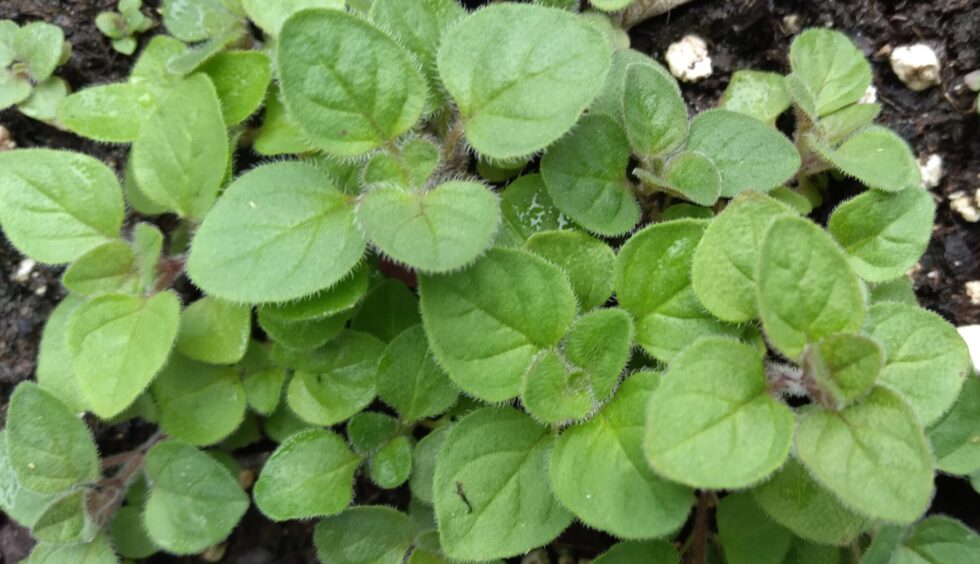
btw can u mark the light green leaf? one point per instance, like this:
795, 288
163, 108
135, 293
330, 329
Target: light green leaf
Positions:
749, 154
653, 284
388, 309
350, 87
283, 423
548, 66
368, 431
23, 505
65, 521
199, 403
792, 198
54, 367
608, 450
843, 367
303, 335
938, 540
340, 297
926, 361
840, 124
311, 474
876, 156
898, 290
364, 534
487, 323
888, 475
795, 501
391, 466
723, 270
439, 230
424, 464
56, 205
747, 535
555, 393
197, 20
110, 267
300, 240
98, 551
585, 173
49, 448
147, 248
651, 552
806, 289
180, 157
712, 423
884, 234
688, 174
409, 379
279, 134
955, 438
111, 113
609, 101
685, 210
118, 344
128, 536
270, 16
263, 388
39, 45
492, 496
408, 166
527, 208
185, 516
757, 94
45, 100
587, 261
653, 110
240, 79
600, 343
214, 331
831, 67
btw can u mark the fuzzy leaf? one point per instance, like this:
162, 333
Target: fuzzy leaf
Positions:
844, 366
128, 536
409, 379
240, 79
587, 261
653, 110
367, 533
286, 229
147, 248
263, 389
214, 331
39, 45
17, 502
840, 124
110, 113
424, 464
955, 438
55, 373
600, 343
197, 20
279, 134
368, 431
877, 157
492, 496
341, 297
199, 403
527, 208
757, 94
938, 540
688, 174
270, 16
831, 67
388, 309
651, 552
747, 535
303, 335
110, 267
65, 521
97, 551
609, 101
555, 393
548, 66
391, 466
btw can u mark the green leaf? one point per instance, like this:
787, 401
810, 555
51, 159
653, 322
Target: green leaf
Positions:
610, 5
840, 124
270, 16
199, 403
897, 290
409, 379
792, 198
350, 87
955, 438
283, 423
118, 344
39, 45
364, 534
651, 552
492, 495
180, 157
938, 540
65, 521
392, 465
756, 94
609, 101
147, 248
240, 80
197, 20
54, 367
831, 67
549, 65
712, 423
555, 393
926, 360
45, 100
21, 504
585, 173
876, 156
338, 382
684, 210
795, 501
689, 174
279, 134
340, 297
303, 335
388, 309
600, 343
843, 366
214, 331
424, 464
485, 324
185, 516
723, 269
608, 450
111, 113
527, 208
49, 448
56, 205
747, 535
407, 166
587, 261
128, 536
301, 236
654, 111
98, 551
263, 389
888, 475
653, 283
368, 431
311, 474
439, 230
884, 233
110, 267
749, 154
806, 289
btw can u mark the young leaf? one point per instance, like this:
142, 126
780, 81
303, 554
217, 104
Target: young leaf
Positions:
147, 248
926, 361
279, 134
723, 269
527, 208
487, 323
889, 471
388, 310
757, 94
876, 156
199, 403
283, 423
939, 539
368, 431
806, 289
609, 101
303, 335
97, 551
409, 379
49, 448
955, 438
507, 510
585, 173
65, 521
439, 230
118, 344
690, 175
587, 261
391, 466
424, 464
842, 123
301, 236
270, 16
844, 366
197, 20
795, 501
653, 284
340, 297
311, 474
39, 46
884, 233
831, 67
608, 450
185, 516
128, 536
651, 552
898, 290
263, 389
19, 503
653, 110
548, 63
56, 205
54, 368
600, 343
749, 154
685, 210
240, 79
409, 166
747, 535
110, 267
555, 393
214, 331
367, 533
712, 423
110, 113
350, 87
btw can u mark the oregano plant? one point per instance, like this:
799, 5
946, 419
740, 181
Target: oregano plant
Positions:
496, 264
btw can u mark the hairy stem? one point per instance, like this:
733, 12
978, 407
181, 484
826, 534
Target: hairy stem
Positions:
108, 493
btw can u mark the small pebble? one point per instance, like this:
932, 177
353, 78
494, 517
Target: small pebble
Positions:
931, 167
870, 95
973, 291
967, 207
916, 65
6, 140
971, 334
42, 290
791, 24
24, 270
688, 59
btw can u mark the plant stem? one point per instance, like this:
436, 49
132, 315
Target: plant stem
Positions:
699, 535
109, 493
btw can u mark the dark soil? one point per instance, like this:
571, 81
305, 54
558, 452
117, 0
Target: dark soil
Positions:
741, 34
